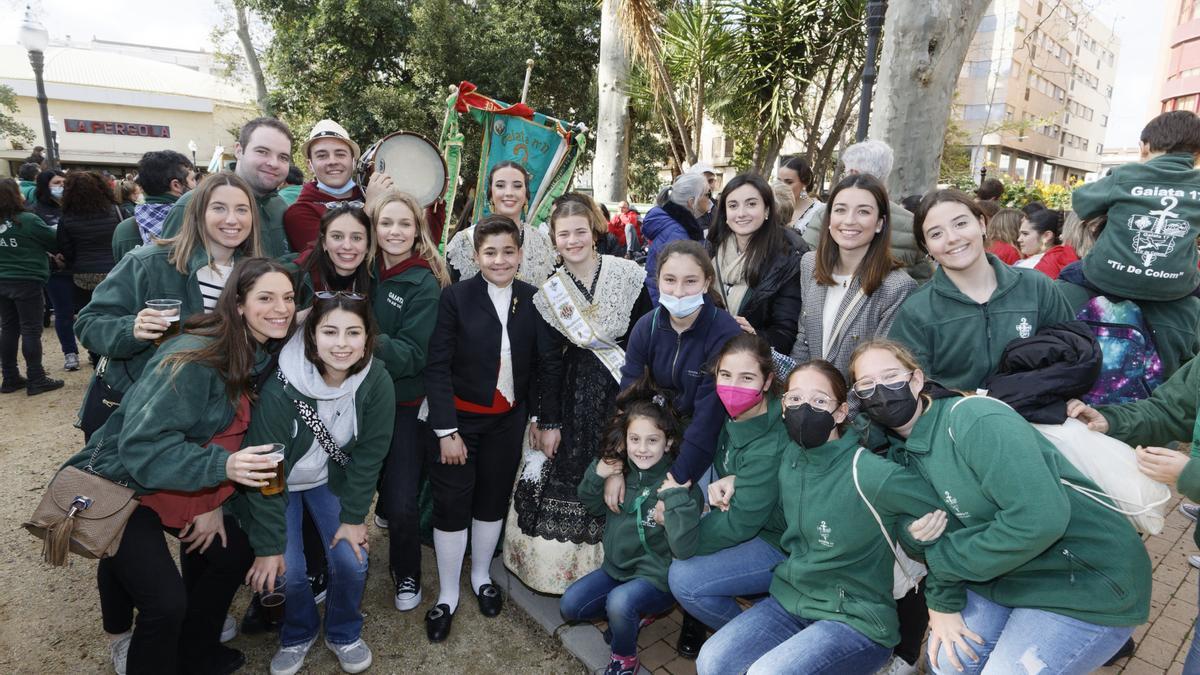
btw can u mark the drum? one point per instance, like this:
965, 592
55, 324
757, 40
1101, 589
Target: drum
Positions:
415, 165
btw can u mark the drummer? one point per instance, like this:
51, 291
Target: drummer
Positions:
508, 194
332, 158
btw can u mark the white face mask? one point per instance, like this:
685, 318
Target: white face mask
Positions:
56, 191
350, 185
681, 308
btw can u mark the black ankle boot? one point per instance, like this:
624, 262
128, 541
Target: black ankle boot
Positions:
692, 635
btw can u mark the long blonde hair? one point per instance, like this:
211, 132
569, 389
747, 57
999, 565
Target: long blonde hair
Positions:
424, 245
193, 233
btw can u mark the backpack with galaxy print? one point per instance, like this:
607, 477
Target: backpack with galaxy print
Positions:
1131, 367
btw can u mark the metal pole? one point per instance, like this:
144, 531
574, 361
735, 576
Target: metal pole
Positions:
875, 11
37, 60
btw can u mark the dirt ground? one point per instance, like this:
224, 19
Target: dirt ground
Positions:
50, 617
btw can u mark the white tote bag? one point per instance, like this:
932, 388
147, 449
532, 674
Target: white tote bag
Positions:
906, 573
1112, 466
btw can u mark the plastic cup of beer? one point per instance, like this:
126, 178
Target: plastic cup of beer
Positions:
273, 602
276, 484
169, 310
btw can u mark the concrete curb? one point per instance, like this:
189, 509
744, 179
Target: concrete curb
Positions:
583, 640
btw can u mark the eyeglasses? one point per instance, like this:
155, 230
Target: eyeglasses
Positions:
335, 206
795, 399
349, 295
894, 380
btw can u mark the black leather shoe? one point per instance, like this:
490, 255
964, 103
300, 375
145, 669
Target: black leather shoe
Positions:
437, 623
1125, 651
491, 600
692, 635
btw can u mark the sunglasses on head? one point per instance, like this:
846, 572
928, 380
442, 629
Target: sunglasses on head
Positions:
340, 206
349, 295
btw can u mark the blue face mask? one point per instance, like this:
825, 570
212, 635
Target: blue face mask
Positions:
681, 308
334, 191
56, 191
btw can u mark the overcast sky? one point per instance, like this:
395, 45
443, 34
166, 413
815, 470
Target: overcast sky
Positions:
1140, 25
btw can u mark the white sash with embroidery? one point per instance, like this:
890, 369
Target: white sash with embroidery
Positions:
571, 323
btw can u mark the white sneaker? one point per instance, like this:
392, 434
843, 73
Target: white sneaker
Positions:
288, 660
119, 649
898, 666
1190, 510
381, 523
229, 630
354, 657
1194, 561
71, 362
408, 594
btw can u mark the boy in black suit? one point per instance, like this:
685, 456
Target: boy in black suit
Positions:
480, 381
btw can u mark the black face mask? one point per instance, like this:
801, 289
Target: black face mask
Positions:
892, 409
807, 426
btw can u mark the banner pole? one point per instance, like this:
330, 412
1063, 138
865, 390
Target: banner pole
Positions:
528, 72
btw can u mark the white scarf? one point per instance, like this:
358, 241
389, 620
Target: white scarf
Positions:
335, 407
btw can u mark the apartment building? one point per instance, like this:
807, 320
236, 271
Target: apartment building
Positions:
1181, 88
1035, 90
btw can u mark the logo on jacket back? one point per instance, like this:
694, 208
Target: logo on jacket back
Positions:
1157, 231
952, 502
4, 226
1024, 329
823, 532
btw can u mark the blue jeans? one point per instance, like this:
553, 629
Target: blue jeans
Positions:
61, 289
706, 586
347, 576
1192, 665
1023, 640
623, 604
768, 639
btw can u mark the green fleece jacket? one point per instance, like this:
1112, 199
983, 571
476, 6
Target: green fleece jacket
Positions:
158, 438
270, 222
1168, 415
405, 306
959, 341
1017, 535
276, 420
127, 236
749, 450
24, 242
105, 325
1147, 251
635, 545
839, 565
27, 188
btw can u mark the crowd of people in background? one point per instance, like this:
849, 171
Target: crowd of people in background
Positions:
814, 419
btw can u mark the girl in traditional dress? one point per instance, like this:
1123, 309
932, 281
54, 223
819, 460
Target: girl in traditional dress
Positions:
508, 193
591, 302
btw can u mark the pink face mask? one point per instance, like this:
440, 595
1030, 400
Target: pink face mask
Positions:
738, 400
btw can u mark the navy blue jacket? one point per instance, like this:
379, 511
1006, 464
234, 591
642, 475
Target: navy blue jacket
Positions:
663, 225
682, 364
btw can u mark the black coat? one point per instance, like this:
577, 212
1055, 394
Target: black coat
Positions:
1038, 375
86, 241
464, 350
773, 306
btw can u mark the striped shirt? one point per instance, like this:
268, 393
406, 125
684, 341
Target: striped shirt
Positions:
211, 283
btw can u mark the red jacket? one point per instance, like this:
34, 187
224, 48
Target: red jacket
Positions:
1005, 252
302, 220
616, 227
1055, 259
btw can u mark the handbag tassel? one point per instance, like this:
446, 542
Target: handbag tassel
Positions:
57, 544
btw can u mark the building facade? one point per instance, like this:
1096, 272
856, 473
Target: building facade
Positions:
1181, 88
1035, 90
109, 106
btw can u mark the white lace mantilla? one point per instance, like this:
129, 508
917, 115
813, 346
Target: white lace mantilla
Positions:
537, 262
617, 289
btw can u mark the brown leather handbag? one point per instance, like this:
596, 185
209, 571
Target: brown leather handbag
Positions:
81, 512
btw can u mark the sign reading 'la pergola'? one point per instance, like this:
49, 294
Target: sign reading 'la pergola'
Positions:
118, 128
